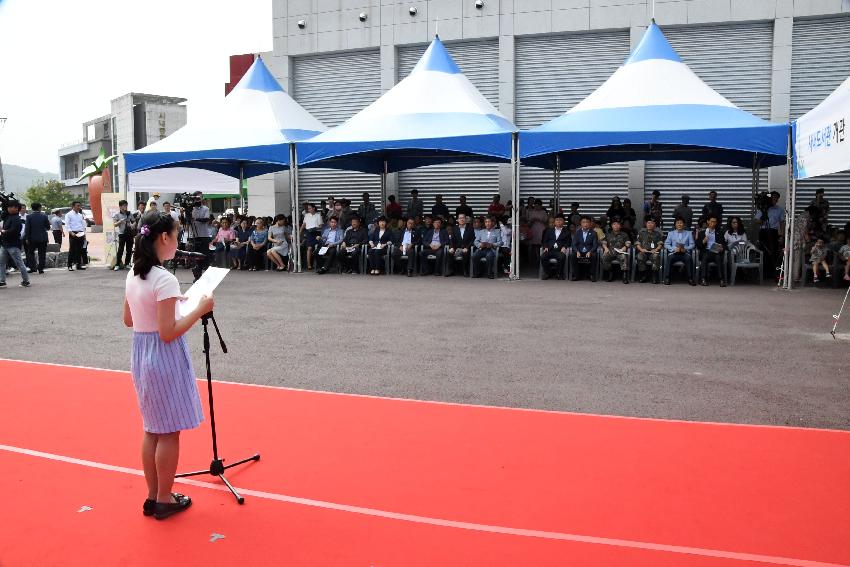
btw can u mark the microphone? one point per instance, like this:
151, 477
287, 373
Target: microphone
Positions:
189, 254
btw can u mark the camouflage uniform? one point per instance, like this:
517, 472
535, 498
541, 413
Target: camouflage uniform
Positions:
646, 240
616, 240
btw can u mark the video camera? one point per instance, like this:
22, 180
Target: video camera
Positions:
189, 200
5, 199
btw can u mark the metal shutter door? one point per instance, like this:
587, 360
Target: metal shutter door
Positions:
820, 61
479, 61
333, 87
553, 74
735, 60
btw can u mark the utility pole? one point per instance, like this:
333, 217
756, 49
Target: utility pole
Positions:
2, 182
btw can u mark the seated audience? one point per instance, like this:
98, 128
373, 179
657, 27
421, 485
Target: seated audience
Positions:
434, 242
405, 246
584, 249
712, 249
735, 234
679, 245
650, 243
555, 246
379, 243
279, 235
615, 247
311, 230
817, 258
461, 241
487, 242
355, 237
329, 241
257, 246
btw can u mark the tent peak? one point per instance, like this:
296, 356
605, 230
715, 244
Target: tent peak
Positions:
653, 45
258, 78
437, 58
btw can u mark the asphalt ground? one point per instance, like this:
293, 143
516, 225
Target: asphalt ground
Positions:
743, 354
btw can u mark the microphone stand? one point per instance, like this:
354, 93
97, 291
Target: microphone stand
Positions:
217, 466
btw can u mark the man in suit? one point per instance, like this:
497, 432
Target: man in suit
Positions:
406, 244
679, 244
585, 244
712, 248
35, 235
434, 242
487, 243
460, 244
555, 243
331, 238
353, 240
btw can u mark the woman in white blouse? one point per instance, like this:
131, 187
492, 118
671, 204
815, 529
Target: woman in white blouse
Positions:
736, 233
310, 229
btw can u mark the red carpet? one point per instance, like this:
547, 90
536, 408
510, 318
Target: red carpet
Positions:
540, 488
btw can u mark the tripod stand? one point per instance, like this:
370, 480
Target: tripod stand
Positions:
217, 466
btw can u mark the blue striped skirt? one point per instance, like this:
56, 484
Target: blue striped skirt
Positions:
165, 384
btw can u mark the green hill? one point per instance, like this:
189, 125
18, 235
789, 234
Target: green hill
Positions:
18, 179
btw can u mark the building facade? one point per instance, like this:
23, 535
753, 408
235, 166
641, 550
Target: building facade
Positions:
136, 120
534, 59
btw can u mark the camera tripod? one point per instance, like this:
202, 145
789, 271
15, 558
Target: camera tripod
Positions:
217, 466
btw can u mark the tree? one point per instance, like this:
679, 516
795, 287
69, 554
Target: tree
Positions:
51, 194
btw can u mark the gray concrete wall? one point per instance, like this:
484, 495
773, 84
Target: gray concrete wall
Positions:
334, 25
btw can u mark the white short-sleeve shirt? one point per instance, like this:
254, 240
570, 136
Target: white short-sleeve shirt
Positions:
143, 296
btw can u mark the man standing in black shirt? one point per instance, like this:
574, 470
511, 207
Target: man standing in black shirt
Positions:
463, 208
35, 235
10, 243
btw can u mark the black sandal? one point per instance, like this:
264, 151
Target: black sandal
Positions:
150, 504
163, 510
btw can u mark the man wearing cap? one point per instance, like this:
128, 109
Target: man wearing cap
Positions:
415, 207
615, 247
650, 243
10, 243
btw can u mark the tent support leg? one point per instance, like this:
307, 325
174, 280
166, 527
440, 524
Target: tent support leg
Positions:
295, 208
384, 188
241, 194
514, 271
789, 219
557, 183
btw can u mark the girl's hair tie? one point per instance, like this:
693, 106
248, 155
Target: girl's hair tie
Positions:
145, 230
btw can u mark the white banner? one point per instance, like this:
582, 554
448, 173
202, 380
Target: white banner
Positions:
822, 136
172, 180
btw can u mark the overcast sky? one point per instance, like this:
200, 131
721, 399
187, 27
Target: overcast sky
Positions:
63, 61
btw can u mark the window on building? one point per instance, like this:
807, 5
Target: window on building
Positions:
90, 133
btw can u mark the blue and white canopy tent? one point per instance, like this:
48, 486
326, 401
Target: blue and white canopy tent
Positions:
252, 133
821, 146
435, 115
654, 108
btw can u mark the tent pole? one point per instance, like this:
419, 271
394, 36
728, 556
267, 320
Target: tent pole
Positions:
788, 283
557, 183
384, 188
241, 195
514, 275
295, 209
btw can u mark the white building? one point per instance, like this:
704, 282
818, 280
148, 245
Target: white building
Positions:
136, 120
534, 59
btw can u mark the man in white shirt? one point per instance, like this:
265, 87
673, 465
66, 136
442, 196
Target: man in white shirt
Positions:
166, 208
75, 222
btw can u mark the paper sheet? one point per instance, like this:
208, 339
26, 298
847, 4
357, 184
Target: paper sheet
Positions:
204, 286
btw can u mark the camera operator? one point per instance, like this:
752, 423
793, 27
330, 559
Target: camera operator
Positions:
10, 242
